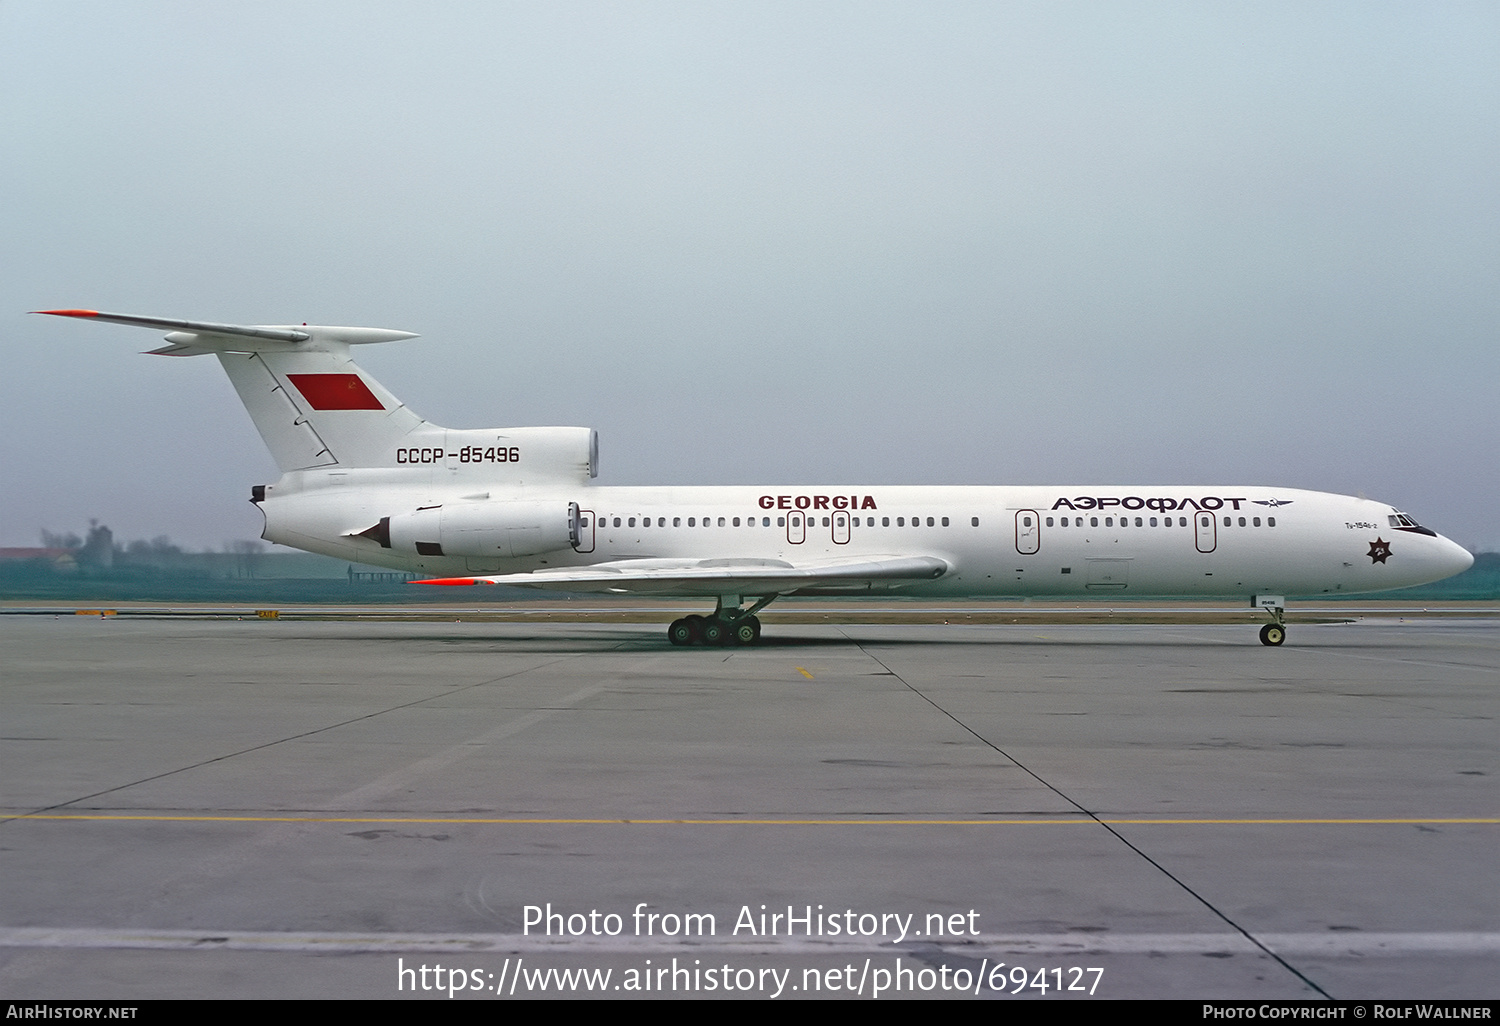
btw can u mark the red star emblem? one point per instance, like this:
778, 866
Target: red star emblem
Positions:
1380, 551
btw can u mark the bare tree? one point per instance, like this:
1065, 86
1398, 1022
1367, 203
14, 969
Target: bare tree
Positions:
247, 556
61, 541
99, 550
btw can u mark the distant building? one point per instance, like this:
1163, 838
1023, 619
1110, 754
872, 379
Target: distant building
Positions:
60, 559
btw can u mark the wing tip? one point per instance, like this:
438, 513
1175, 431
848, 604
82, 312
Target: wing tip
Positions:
68, 313
457, 581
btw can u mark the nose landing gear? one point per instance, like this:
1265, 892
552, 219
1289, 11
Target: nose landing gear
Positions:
1273, 633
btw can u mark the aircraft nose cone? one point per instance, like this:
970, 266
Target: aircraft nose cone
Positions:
1459, 558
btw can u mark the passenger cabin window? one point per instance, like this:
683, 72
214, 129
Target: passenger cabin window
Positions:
974, 522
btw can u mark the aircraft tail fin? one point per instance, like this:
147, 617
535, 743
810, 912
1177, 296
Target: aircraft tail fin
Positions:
314, 407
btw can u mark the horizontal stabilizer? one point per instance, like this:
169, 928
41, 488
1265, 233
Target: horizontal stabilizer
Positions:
194, 338
194, 327
711, 576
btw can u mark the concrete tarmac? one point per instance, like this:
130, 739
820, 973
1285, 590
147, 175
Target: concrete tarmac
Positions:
324, 809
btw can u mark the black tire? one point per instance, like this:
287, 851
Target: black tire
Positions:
1272, 634
682, 632
744, 632
715, 631
755, 620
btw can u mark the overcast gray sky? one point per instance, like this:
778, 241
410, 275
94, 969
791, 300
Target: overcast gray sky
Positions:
807, 242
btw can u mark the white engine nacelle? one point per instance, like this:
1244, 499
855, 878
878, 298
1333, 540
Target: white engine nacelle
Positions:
495, 529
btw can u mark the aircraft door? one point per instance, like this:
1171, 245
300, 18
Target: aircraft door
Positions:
1206, 531
581, 528
796, 528
840, 527
1028, 532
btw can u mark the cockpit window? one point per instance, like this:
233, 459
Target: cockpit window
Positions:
1399, 519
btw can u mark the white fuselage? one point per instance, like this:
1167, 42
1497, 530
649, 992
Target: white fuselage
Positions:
998, 541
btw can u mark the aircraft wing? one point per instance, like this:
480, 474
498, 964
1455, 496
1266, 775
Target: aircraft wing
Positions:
715, 576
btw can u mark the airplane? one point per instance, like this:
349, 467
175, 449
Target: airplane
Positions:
364, 478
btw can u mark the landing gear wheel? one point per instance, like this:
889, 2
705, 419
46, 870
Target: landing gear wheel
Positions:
683, 631
1272, 634
715, 631
728, 626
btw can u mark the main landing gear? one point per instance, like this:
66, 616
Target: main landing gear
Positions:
1273, 633
729, 625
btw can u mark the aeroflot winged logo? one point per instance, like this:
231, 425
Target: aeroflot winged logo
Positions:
335, 391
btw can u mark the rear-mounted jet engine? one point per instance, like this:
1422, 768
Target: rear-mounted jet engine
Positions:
493, 529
